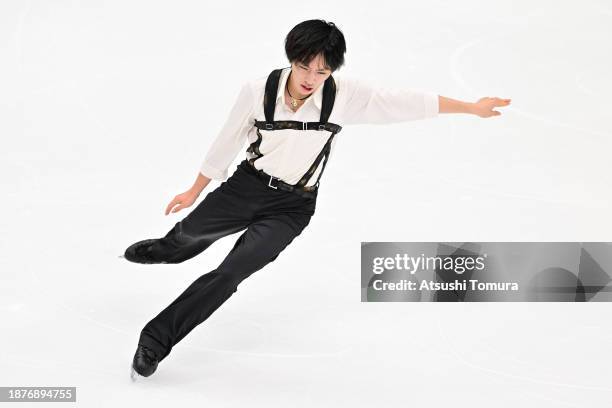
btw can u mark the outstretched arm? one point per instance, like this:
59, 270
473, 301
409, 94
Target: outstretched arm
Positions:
483, 107
366, 103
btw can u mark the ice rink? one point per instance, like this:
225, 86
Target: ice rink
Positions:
107, 109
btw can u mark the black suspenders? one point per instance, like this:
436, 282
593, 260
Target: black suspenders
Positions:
329, 95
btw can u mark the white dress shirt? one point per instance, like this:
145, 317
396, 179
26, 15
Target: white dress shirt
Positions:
289, 153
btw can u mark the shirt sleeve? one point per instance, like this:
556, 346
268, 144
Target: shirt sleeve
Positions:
232, 136
367, 104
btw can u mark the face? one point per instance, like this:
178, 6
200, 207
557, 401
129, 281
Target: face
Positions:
306, 79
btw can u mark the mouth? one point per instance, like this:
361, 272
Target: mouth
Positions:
305, 88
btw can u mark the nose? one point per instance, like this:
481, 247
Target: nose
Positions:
311, 79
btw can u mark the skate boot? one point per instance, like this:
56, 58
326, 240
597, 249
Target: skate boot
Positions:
144, 363
140, 252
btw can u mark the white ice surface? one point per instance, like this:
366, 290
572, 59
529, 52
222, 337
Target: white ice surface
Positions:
107, 109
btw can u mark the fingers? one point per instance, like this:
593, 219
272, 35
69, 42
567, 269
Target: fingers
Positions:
175, 209
168, 210
174, 202
501, 102
504, 102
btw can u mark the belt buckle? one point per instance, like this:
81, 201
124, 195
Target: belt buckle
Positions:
270, 182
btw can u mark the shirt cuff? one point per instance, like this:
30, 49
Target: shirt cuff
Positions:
432, 107
212, 173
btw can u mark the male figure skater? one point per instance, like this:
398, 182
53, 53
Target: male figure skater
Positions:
290, 119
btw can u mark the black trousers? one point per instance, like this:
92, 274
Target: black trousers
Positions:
271, 220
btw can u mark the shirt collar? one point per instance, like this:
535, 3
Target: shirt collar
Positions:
280, 96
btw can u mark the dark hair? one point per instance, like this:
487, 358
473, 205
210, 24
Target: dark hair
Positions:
312, 37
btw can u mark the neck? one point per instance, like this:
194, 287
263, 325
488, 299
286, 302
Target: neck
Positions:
292, 89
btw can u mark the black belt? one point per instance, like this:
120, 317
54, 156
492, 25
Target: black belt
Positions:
278, 184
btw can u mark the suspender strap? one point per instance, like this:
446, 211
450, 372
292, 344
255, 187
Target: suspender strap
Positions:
297, 125
329, 96
254, 148
270, 94
269, 102
323, 153
327, 153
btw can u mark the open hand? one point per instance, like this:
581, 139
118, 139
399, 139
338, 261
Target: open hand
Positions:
484, 106
183, 200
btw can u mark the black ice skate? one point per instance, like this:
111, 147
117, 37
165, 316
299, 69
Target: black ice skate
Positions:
144, 363
140, 252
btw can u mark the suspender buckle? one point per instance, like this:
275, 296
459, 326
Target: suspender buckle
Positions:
269, 126
270, 182
304, 125
321, 127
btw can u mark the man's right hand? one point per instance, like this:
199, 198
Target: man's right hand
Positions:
181, 201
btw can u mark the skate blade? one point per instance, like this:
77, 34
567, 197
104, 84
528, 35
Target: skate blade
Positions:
133, 374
